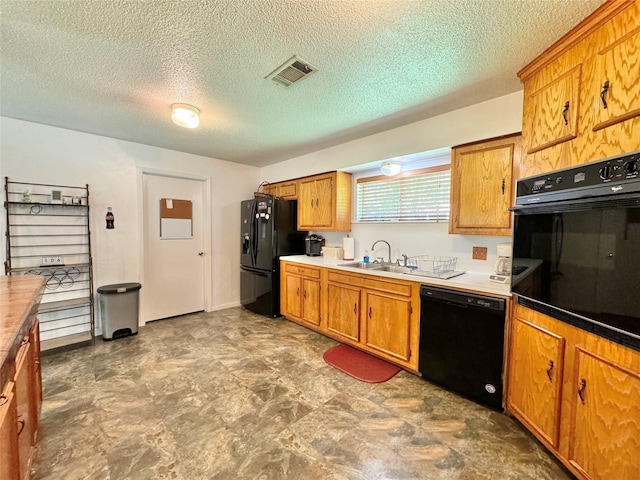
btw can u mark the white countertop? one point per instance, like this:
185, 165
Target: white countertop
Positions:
470, 281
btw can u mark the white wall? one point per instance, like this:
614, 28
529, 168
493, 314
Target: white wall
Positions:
38, 153
493, 118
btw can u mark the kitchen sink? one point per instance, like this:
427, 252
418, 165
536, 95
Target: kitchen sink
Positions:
395, 269
382, 267
364, 266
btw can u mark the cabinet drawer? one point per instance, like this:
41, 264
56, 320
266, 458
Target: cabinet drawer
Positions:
302, 270
288, 189
371, 282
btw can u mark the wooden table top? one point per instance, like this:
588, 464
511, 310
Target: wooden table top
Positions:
19, 297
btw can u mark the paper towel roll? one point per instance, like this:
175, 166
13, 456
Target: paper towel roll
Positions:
349, 247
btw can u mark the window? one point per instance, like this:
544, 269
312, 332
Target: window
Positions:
416, 196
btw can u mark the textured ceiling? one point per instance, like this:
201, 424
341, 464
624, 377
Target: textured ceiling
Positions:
114, 67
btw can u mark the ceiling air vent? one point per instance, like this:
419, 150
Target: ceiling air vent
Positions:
291, 71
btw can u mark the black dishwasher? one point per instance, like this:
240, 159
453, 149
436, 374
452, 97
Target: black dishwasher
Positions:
462, 343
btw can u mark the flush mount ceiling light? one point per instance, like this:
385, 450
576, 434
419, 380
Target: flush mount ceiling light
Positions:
185, 115
391, 168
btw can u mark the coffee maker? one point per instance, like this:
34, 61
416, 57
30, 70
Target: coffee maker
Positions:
503, 264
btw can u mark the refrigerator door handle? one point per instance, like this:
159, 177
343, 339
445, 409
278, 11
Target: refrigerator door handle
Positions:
254, 233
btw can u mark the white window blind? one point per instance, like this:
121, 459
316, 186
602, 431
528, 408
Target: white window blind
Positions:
417, 196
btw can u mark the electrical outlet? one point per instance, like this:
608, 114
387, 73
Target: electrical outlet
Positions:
479, 253
53, 260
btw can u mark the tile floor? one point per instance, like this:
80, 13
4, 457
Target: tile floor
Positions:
233, 395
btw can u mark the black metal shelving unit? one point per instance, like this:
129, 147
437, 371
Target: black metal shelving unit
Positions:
53, 239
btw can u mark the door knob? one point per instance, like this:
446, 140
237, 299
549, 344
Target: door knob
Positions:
201, 253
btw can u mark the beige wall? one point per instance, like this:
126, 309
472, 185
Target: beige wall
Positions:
38, 153
493, 118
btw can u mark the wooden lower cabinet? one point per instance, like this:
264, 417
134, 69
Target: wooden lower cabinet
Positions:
387, 324
20, 404
24, 405
376, 314
300, 297
9, 460
605, 419
537, 357
578, 393
343, 311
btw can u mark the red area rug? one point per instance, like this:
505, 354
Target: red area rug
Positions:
360, 365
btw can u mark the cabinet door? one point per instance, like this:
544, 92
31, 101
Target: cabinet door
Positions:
605, 420
324, 202
387, 324
343, 314
24, 387
617, 91
554, 112
9, 463
535, 378
306, 204
482, 187
34, 339
293, 301
311, 301
271, 189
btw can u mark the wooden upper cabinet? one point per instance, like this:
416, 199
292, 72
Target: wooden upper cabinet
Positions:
605, 419
482, 186
617, 81
287, 190
597, 63
535, 378
324, 202
553, 116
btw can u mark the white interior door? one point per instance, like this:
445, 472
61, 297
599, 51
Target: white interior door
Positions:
173, 279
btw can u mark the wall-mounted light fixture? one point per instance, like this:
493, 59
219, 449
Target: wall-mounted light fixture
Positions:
391, 168
185, 115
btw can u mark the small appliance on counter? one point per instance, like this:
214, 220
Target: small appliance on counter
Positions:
313, 245
333, 252
503, 264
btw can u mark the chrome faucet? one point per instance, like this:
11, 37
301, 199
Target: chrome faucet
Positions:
373, 247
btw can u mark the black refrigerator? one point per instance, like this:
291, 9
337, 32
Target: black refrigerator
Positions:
267, 231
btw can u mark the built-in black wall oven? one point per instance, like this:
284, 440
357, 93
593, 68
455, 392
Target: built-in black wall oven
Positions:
576, 247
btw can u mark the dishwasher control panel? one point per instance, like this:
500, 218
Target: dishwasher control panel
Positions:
462, 298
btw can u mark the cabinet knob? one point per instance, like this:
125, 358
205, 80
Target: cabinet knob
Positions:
298, 292
355, 308
369, 312
3, 399
304, 294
